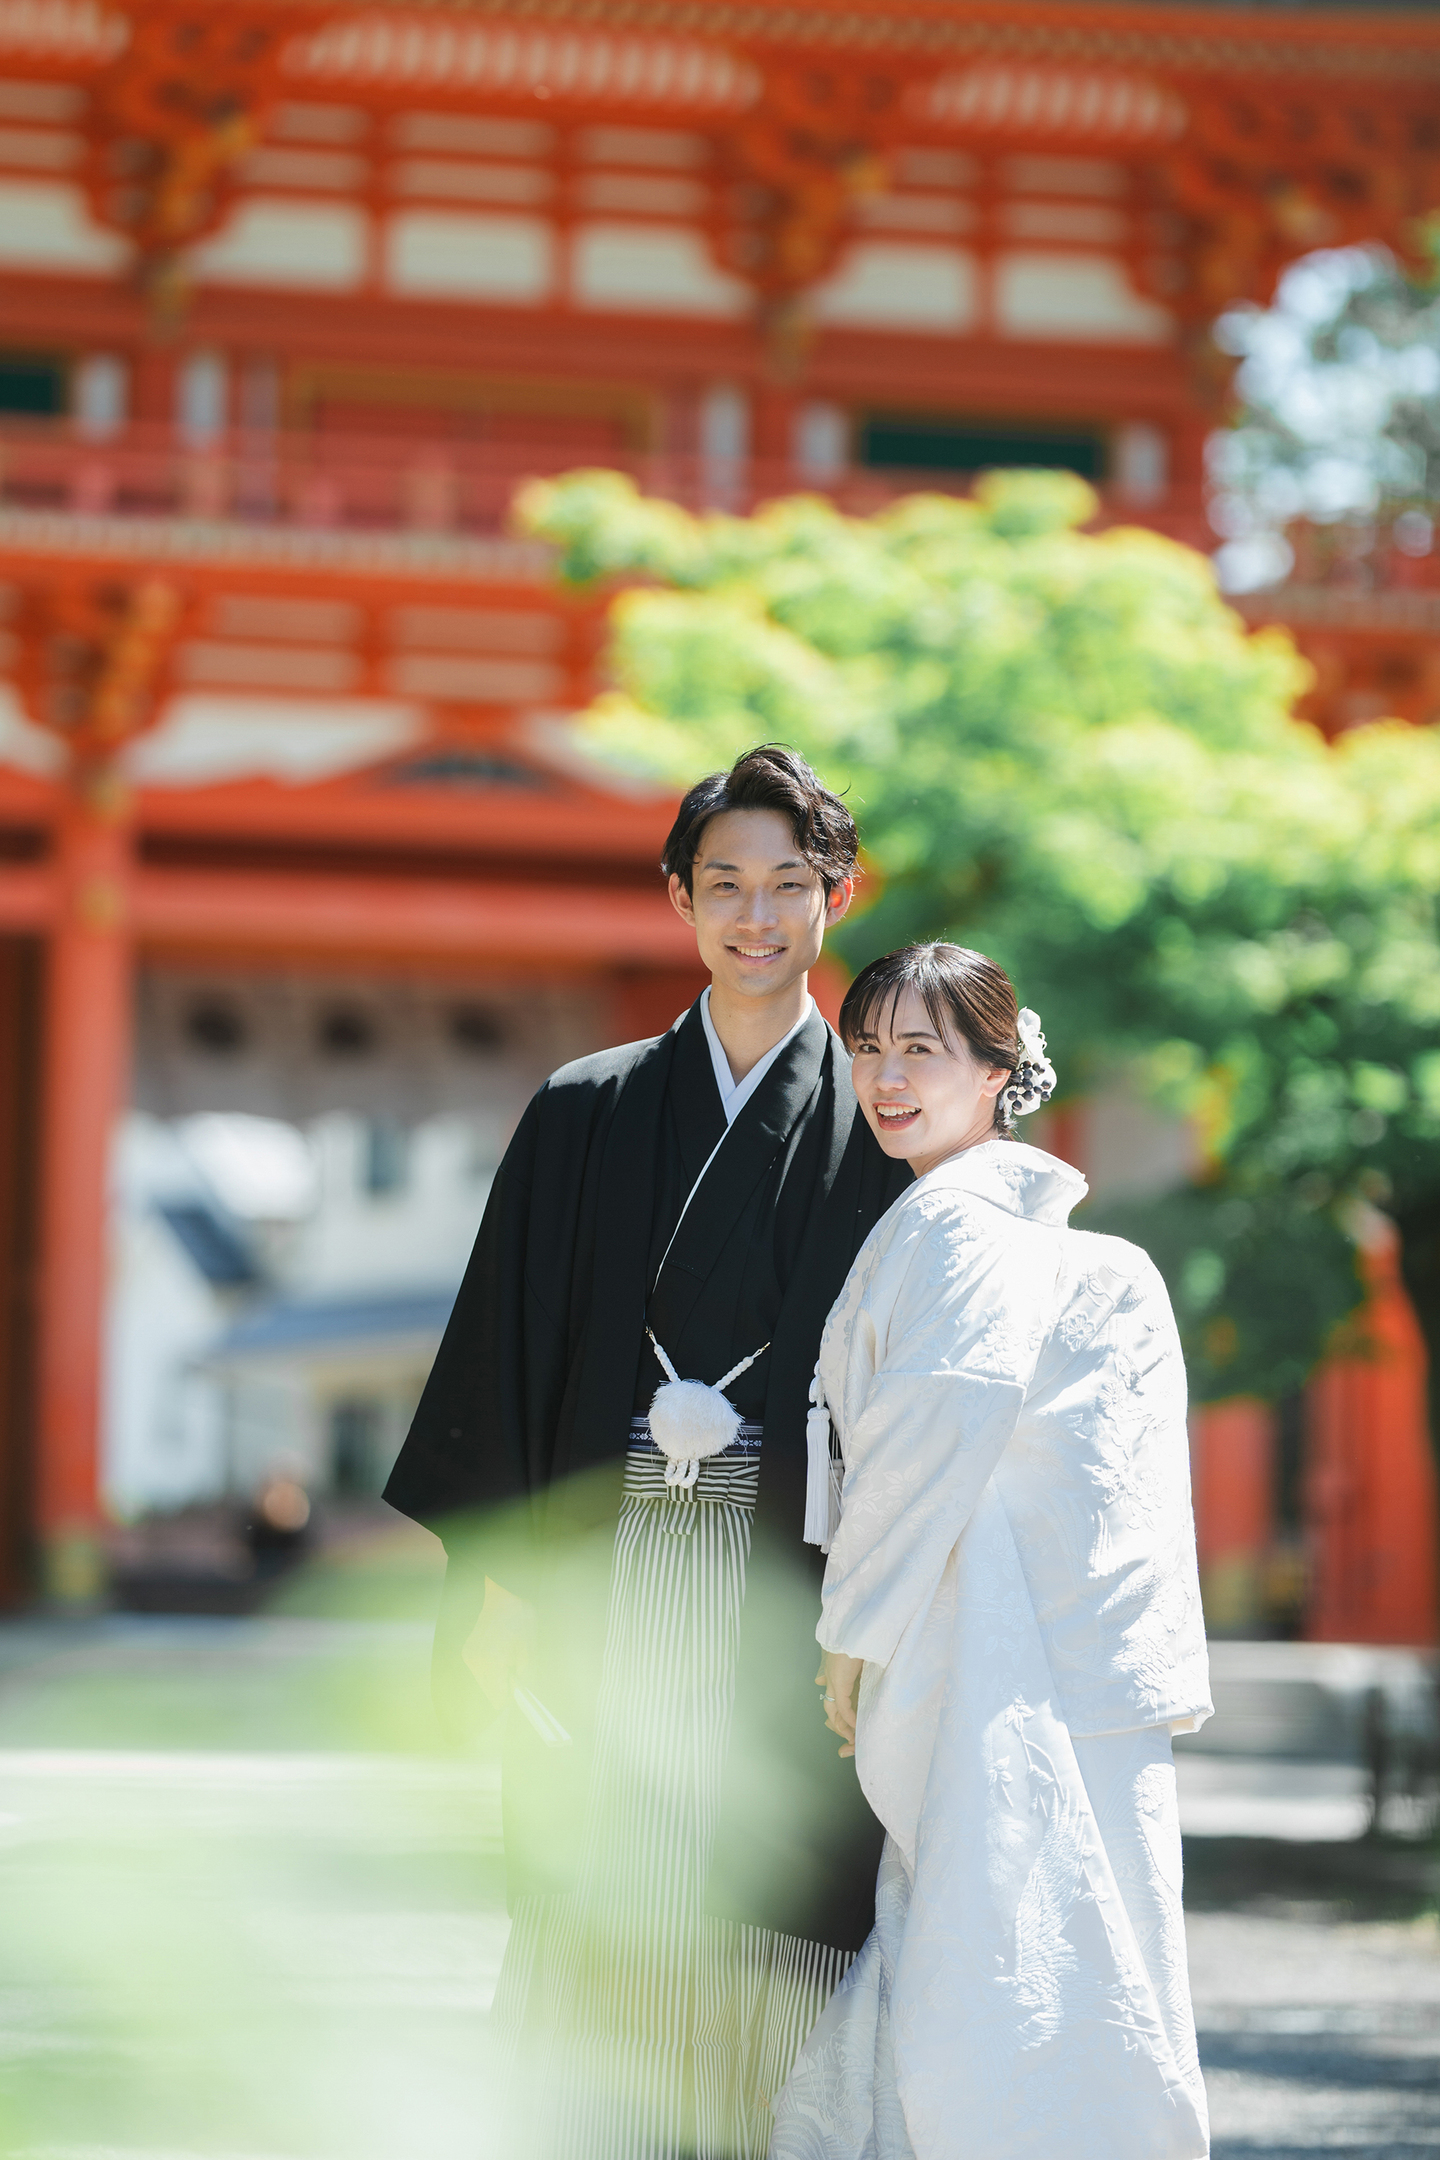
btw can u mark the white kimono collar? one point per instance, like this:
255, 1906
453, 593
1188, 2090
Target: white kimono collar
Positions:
1022, 1180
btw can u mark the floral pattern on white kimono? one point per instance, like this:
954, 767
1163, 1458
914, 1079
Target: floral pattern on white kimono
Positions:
1015, 1561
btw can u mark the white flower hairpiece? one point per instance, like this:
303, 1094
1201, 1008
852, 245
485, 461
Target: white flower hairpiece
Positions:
1033, 1081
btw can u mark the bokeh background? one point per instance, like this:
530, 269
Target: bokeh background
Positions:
428, 437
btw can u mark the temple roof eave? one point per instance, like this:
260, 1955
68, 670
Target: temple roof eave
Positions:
1199, 36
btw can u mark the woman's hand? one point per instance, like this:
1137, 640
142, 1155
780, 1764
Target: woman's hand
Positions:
840, 1677
501, 1644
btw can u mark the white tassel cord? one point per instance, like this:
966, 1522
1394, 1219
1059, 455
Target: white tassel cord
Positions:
824, 1477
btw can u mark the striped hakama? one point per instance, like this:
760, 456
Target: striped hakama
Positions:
637, 2027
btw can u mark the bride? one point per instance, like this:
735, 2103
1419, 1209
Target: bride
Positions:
1011, 1626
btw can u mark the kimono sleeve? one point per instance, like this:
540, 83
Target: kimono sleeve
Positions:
961, 1346
466, 1445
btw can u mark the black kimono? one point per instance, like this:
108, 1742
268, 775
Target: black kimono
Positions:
529, 1447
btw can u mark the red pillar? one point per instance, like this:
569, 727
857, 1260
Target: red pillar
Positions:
649, 1004
773, 446
86, 1056
828, 984
1064, 1133
1370, 1494
1234, 1485
19, 1108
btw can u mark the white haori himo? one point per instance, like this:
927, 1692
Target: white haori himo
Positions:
1015, 1561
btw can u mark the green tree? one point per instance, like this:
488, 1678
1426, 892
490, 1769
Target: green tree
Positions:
1062, 747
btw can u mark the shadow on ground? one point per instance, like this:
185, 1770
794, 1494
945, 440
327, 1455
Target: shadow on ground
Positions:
1316, 1978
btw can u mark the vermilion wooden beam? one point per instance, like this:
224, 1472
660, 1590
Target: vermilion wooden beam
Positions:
384, 819
1053, 377
364, 809
276, 913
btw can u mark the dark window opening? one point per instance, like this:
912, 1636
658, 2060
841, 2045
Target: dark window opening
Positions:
346, 1032
476, 1029
938, 443
216, 1028
387, 1156
32, 387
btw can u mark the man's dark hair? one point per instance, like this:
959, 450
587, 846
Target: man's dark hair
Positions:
769, 777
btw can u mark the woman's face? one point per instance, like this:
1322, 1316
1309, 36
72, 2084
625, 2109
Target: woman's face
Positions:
925, 1098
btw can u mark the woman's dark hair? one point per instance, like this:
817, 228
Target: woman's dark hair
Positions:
768, 778
964, 993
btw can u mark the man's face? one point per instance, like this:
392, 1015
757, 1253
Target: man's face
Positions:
758, 910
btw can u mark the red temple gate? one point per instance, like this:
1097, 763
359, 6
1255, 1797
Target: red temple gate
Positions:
295, 294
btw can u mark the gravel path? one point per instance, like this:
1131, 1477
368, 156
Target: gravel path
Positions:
1318, 2034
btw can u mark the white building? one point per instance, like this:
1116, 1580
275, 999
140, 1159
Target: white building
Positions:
295, 1201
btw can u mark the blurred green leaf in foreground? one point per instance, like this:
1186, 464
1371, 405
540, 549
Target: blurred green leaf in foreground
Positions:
1062, 747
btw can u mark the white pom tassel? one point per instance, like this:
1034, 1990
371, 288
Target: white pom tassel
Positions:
691, 1421
822, 1474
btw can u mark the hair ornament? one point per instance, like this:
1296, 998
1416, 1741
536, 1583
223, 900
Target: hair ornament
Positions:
1033, 1081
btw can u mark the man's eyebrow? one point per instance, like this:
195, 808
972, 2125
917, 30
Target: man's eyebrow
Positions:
791, 862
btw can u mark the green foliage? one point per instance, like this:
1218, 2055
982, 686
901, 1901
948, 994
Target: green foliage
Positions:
1062, 747
1224, 1257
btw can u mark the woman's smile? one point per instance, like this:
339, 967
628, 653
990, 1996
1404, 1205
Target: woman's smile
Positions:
897, 1115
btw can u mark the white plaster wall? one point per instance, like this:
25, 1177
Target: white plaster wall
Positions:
207, 736
651, 268
46, 225
416, 1237
1078, 297
161, 1428
23, 745
900, 285
462, 255
280, 240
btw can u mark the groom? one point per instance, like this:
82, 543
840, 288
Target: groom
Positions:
709, 1190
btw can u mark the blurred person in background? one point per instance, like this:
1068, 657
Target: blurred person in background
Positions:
613, 1445
1012, 1589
